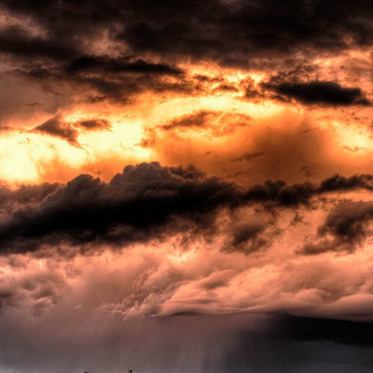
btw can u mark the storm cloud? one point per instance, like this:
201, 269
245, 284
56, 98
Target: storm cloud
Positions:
347, 225
56, 126
186, 186
135, 204
319, 92
128, 208
234, 33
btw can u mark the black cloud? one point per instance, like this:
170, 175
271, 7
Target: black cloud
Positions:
131, 207
347, 225
339, 331
280, 193
142, 202
97, 79
25, 194
247, 157
94, 124
120, 65
248, 238
320, 92
17, 42
197, 119
57, 127
238, 32
154, 36
217, 122
288, 343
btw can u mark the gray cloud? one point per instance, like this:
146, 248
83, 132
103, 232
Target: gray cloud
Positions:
57, 127
347, 225
320, 92
145, 42
140, 203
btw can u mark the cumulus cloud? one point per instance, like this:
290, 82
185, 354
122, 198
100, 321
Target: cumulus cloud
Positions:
149, 201
11, 199
222, 301
131, 207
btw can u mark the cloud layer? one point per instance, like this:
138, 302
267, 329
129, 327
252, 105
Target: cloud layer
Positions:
143, 200
186, 186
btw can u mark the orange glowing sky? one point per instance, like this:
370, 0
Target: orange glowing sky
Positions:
227, 125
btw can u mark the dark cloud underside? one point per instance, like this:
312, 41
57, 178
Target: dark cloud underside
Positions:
347, 227
319, 92
57, 127
134, 205
258, 34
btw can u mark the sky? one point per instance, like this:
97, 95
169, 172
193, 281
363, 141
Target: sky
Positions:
186, 186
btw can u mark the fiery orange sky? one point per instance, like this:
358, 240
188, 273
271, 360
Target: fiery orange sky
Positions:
186, 186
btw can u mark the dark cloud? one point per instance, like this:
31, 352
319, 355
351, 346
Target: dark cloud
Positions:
341, 183
347, 221
94, 124
291, 195
217, 123
253, 93
287, 343
95, 78
117, 79
247, 157
250, 237
227, 87
131, 207
318, 329
197, 119
56, 127
25, 194
146, 200
209, 79
302, 71
320, 92
93, 51
237, 32
120, 65
80, 43
345, 229
18, 43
